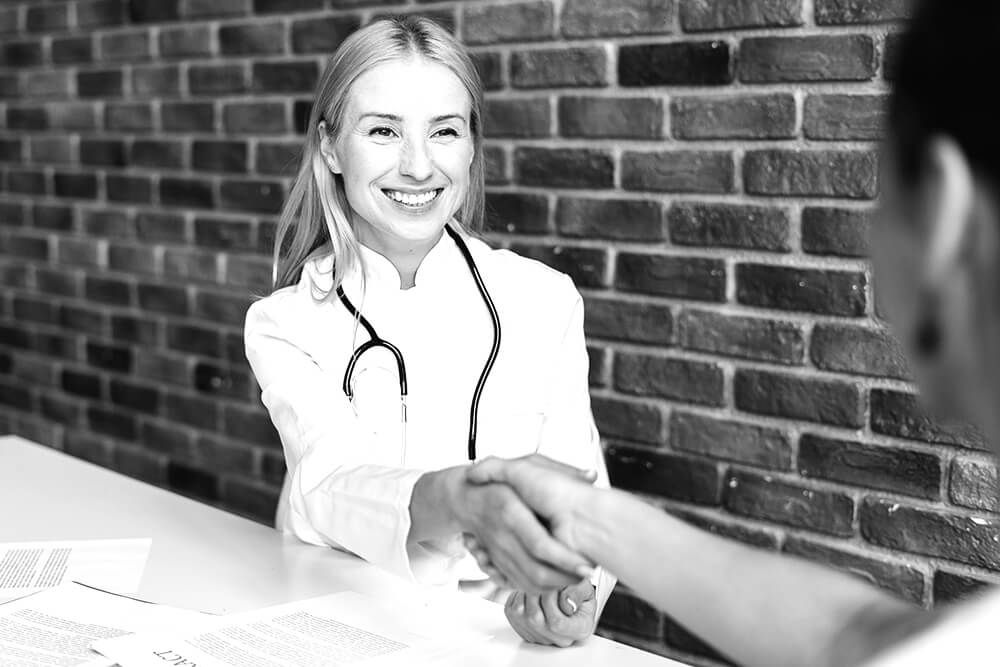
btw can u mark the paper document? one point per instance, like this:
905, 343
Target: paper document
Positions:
57, 626
113, 565
328, 631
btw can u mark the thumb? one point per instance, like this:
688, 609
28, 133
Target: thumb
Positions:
572, 598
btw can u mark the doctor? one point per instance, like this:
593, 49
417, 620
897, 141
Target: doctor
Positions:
396, 348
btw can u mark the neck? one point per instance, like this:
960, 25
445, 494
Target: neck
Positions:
406, 256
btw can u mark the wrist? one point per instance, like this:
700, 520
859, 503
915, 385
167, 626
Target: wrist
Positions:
439, 494
590, 526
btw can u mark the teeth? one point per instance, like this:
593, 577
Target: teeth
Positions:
412, 199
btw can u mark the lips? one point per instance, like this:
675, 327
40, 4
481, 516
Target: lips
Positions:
413, 200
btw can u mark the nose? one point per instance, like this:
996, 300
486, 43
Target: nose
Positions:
415, 160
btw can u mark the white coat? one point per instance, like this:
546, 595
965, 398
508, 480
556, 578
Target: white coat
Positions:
350, 477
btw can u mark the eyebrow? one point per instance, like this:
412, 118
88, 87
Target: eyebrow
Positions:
399, 119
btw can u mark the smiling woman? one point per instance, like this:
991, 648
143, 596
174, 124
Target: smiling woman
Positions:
397, 347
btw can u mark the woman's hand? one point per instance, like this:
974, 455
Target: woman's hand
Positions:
556, 618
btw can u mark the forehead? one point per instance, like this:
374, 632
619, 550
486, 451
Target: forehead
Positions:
411, 88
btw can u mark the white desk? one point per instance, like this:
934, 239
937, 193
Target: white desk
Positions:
206, 559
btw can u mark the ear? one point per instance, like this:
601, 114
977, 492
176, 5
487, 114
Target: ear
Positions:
328, 148
950, 193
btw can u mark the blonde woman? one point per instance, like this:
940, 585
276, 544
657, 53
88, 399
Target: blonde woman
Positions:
397, 348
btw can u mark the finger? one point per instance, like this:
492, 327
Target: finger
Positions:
559, 624
545, 549
573, 597
534, 619
508, 561
494, 469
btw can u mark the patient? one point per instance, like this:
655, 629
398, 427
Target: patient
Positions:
937, 272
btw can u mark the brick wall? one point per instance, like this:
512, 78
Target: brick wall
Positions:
704, 169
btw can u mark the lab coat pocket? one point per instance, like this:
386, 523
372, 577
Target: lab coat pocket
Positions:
509, 434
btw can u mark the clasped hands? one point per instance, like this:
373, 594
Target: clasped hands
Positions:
520, 529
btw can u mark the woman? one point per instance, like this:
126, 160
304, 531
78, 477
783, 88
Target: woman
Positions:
940, 224
396, 348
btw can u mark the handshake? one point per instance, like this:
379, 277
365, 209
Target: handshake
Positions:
521, 521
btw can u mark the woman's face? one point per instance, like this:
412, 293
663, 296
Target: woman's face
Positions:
405, 152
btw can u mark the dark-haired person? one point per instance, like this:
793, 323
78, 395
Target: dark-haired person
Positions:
937, 276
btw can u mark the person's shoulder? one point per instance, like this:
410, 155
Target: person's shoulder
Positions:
287, 305
524, 274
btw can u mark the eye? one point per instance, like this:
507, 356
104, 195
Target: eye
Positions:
446, 132
382, 131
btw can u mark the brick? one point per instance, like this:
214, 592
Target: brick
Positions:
519, 22
839, 12
78, 252
155, 153
520, 118
12, 214
255, 118
130, 46
166, 439
55, 218
551, 68
284, 77
840, 232
26, 181
14, 337
873, 467
35, 310
250, 426
132, 259
676, 64
770, 499
187, 116
281, 158
135, 189
742, 117
167, 299
52, 150
192, 482
629, 614
253, 273
253, 196
321, 35
193, 339
666, 275
806, 290
637, 421
847, 174
100, 83
187, 192
974, 483
167, 227
214, 8
139, 464
82, 384
642, 470
221, 307
10, 20
742, 337
77, 186
110, 423
597, 18
10, 86
699, 15
844, 117
128, 329
26, 118
490, 66
496, 165
223, 234
153, 11
678, 171
812, 58
94, 13
72, 50
187, 41
15, 396
631, 321
108, 222
61, 411
129, 117
109, 357
191, 264
219, 156
615, 219
83, 320
21, 53
216, 79
56, 345
730, 440
11, 150
665, 377
516, 212
795, 397
156, 81
951, 587
166, 368
216, 380
111, 291
729, 226
611, 117
765, 538
898, 414
858, 350
252, 39
55, 84
564, 167
966, 539
903, 580
285, 6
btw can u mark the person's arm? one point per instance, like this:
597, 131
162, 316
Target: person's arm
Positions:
348, 491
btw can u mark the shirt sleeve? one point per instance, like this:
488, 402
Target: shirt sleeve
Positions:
569, 433
340, 494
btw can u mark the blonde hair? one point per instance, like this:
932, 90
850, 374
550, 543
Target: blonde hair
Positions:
315, 219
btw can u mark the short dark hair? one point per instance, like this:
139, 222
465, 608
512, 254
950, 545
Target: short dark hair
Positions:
942, 74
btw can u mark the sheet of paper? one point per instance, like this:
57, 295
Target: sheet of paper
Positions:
113, 565
328, 631
58, 625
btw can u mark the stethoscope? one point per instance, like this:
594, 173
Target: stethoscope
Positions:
377, 341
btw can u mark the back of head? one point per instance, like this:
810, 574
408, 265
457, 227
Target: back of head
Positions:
316, 216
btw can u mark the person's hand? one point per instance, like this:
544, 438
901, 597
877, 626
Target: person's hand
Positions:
518, 545
556, 618
550, 488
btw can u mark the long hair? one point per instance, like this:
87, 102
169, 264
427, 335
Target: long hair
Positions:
315, 220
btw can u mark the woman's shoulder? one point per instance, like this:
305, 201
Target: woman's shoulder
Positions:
289, 304
524, 274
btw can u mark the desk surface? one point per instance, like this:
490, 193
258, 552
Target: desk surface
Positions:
206, 559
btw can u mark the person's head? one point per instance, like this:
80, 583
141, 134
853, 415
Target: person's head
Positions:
393, 149
935, 244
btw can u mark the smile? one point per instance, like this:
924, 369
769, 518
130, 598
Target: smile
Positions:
413, 200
